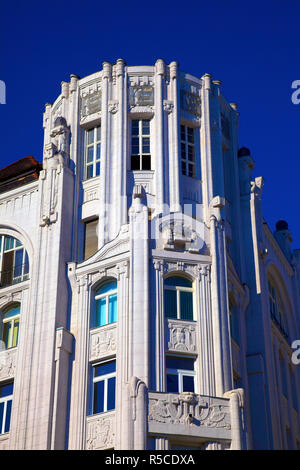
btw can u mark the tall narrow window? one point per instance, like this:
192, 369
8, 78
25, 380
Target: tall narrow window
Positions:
6, 395
10, 319
104, 387
106, 304
187, 144
180, 374
234, 323
14, 264
91, 238
140, 145
178, 294
276, 309
92, 152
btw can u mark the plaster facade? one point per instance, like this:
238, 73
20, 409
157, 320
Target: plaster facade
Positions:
150, 155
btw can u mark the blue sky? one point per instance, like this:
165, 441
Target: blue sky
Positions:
252, 47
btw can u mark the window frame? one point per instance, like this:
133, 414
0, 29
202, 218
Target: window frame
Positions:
180, 373
17, 247
103, 378
6, 399
11, 320
93, 163
140, 137
178, 290
106, 295
184, 142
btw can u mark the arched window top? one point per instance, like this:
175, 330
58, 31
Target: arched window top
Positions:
107, 287
10, 318
14, 263
180, 281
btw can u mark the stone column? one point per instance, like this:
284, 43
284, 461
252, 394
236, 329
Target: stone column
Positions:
79, 392
160, 335
174, 152
236, 398
205, 332
63, 350
105, 176
219, 292
159, 135
139, 288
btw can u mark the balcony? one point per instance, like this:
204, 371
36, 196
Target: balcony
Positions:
188, 414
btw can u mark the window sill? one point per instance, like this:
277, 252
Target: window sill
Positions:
15, 287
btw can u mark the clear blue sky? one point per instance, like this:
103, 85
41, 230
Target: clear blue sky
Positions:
252, 47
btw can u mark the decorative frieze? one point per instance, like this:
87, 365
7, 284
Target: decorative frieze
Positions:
101, 431
189, 414
8, 363
181, 336
102, 342
141, 92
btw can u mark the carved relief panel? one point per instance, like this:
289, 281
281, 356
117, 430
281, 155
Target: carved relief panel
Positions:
102, 342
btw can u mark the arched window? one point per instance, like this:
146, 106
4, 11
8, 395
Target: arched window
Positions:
276, 308
10, 319
14, 264
106, 304
178, 295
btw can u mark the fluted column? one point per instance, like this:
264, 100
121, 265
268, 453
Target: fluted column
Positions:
220, 309
205, 333
160, 376
159, 135
174, 153
105, 157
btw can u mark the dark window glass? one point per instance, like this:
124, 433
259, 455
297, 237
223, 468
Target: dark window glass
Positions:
146, 127
111, 392
98, 406
8, 414
178, 281
146, 160
135, 162
186, 305
6, 390
172, 383
188, 383
106, 368
170, 303
179, 363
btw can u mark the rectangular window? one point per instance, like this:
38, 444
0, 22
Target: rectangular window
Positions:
180, 374
187, 145
91, 238
104, 387
140, 144
6, 395
92, 152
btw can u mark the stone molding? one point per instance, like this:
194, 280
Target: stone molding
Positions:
181, 336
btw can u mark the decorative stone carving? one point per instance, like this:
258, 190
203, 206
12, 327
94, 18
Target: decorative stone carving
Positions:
190, 102
90, 102
7, 363
182, 336
113, 106
102, 342
188, 409
168, 106
100, 432
179, 231
141, 92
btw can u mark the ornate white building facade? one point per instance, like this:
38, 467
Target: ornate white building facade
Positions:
145, 303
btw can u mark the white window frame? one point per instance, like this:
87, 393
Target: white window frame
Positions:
140, 136
12, 321
105, 379
107, 295
179, 289
186, 144
5, 400
180, 373
23, 276
93, 145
